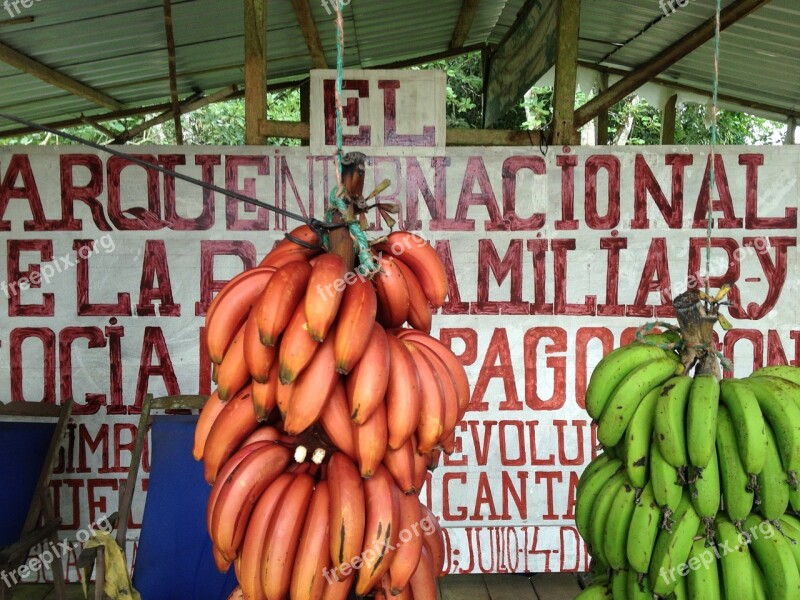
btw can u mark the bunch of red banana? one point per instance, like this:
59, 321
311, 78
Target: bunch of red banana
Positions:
312, 360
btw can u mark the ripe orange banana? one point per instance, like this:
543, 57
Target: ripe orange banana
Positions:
324, 294
371, 441
454, 366
449, 443
423, 260
335, 420
239, 494
276, 260
233, 373
366, 383
211, 410
337, 587
392, 290
420, 315
264, 394
230, 308
434, 540
400, 463
354, 323
449, 390
409, 552
224, 474
431, 417
347, 510
252, 554
257, 356
236, 421
287, 246
403, 393
297, 348
423, 581
312, 390
383, 516
283, 397
420, 468
220, 561
265, 433
433, 457
283, 537
280, 297
313, 553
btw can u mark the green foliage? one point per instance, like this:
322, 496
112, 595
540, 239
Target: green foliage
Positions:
223, 123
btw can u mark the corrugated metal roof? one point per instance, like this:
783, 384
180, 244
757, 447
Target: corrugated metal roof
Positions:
119, 47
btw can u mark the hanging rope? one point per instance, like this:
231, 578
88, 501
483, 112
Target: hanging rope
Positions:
713, 154
337, 196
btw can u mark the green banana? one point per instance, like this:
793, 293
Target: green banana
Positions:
701, 419
737, 490
773, 482
667, 481
681, 591
790, 529
783, 415
759, 585
617, 526
592, 487
787, 372
669, 424
734, 560
704, 488
645, 523
619, 585
703, 579
594, 466
638, 590
611, 370
794, 498
748, 423
638, 438
668, 564
600, 512
774, 557
596, 591
628, 394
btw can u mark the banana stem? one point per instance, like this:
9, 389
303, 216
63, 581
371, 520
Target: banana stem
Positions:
697, 331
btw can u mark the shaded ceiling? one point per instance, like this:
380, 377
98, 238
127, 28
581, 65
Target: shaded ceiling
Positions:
119, 48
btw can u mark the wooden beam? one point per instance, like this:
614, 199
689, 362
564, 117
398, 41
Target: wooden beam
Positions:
185, 108
255, 69
173, 72
16, 21
99, 127
455, 137
668, 121
566, 76
466, 17
305, 106
602, 118
791, 128
20, 61
680, 87
734, 12
309, 28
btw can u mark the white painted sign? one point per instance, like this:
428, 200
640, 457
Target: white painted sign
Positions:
552, 260
391, 113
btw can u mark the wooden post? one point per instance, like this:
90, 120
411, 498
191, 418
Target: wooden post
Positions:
255, 69
668, 121
602, 118
173, 72
566, 79
305, 106
790, 131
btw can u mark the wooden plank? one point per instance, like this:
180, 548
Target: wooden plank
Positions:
461, 587
29, 409
555, 586
466, 17
566, 76
602, 118
309, 28
734, 12
526, 54
791, 128
509, 587
255, 69
668, 122
173, 72
20, 61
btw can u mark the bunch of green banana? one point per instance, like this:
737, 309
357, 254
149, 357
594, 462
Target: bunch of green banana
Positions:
691, 497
